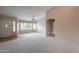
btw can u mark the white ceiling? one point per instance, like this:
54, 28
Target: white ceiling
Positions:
24, 12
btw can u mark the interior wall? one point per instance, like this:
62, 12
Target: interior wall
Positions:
41, 26
0, 29
66, 22
6, 32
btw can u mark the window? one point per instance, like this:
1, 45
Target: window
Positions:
14, 26
22, 26
34, 26
6, 26
17, 26
26, 26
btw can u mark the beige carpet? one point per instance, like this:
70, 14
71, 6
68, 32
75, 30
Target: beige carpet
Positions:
37, 43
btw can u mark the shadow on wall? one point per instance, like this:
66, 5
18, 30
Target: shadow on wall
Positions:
67, 22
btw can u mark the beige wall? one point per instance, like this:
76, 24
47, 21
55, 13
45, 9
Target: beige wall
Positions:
0, 29
6, 32
66, 22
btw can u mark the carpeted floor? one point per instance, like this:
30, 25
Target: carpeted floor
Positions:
37, 43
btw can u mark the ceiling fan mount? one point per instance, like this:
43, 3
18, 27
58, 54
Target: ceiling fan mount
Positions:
33, 18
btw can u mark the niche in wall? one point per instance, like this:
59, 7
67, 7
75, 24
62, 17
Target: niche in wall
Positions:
50, 27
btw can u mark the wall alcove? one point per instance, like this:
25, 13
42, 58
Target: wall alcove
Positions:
50, 27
